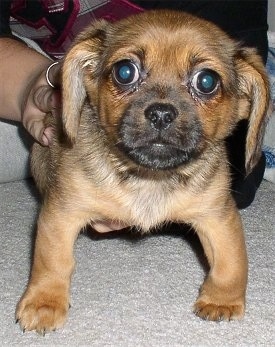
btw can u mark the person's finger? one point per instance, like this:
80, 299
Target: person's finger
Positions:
47, 136
36, 127
56, 102
43, 101
43, 98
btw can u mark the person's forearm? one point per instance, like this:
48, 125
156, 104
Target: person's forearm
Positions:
19, 67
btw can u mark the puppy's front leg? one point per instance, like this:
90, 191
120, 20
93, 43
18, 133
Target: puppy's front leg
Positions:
222, 295
45, 303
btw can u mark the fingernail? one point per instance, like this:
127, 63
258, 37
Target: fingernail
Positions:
47, 136
44, 140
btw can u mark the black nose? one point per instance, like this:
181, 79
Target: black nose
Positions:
160, 115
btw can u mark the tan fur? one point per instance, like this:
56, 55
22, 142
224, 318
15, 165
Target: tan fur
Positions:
85, 178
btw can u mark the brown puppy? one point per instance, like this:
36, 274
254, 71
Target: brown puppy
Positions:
148, 103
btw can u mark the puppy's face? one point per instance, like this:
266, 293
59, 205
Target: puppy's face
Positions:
165, 86
168, 93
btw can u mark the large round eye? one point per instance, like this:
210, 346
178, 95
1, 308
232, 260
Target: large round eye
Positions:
125, 72
205, 81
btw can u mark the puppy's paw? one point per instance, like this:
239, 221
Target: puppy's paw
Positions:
42, 311
218, 312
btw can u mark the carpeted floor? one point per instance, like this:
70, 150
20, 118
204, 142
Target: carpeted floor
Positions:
130, 291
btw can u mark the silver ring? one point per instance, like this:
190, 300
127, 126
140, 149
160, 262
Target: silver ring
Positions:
47, 74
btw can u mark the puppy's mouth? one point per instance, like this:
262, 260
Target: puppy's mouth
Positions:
157, 155
157, 144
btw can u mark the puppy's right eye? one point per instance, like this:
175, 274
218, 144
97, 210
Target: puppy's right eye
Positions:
205, 82
125, 73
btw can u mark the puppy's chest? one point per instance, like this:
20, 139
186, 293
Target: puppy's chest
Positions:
147, 204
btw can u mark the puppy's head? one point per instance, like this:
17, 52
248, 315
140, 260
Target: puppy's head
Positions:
166, 86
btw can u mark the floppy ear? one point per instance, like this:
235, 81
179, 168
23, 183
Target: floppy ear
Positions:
87, 51
254, 86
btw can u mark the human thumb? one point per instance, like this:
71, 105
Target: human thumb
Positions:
42, 98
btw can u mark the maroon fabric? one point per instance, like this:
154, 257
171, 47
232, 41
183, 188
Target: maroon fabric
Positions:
53, 24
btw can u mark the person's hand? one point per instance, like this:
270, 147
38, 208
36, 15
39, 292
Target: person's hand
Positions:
40, 99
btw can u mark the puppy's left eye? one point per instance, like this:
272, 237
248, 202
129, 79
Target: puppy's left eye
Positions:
206, 81
125, 73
